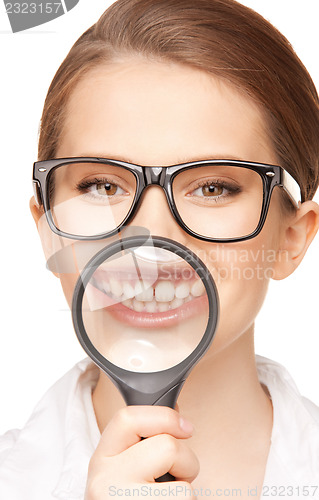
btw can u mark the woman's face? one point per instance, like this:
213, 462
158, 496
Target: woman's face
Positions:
159, 114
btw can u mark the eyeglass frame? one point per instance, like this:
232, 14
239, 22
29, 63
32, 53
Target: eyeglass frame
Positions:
271, 175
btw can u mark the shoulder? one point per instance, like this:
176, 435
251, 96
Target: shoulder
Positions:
312, 409
47, 410
7, 442
279, 381
284, 391
295, 434
36, 453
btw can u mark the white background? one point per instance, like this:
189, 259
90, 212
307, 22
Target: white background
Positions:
37, 342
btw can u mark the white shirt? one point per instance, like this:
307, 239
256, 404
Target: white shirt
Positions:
48, 458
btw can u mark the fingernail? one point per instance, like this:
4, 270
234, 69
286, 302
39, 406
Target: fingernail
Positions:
186, 426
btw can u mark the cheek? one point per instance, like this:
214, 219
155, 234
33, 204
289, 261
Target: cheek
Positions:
241, 272
242, 284
242, 289
68, 282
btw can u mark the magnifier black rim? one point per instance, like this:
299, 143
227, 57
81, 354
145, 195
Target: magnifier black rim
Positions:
135, 241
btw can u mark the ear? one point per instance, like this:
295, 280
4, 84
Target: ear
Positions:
36, 211
43, 229
299, 231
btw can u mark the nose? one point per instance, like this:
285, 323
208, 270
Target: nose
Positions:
155, 215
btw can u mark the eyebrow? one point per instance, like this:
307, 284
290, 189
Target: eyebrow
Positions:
179, 160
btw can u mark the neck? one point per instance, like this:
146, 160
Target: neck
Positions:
224, 385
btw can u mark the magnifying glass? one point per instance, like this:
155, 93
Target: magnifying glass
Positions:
145, 309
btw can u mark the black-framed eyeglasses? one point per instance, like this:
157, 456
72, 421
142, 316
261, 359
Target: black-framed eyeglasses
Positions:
213, 200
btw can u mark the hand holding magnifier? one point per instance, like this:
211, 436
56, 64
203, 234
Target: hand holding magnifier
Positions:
145, 309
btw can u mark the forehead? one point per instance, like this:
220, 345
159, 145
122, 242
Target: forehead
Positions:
158, 113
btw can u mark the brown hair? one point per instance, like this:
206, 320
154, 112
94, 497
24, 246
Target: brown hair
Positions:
221, 37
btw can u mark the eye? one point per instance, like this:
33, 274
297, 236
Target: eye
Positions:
107, 188
101, 187
209, 190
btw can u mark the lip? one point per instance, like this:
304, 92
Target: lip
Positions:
99, 300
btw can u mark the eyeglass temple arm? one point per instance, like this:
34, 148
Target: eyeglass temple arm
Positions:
37, 192
291, 186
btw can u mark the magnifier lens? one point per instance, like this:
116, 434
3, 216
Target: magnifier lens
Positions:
145, 309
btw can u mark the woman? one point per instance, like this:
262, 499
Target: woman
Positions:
217, 90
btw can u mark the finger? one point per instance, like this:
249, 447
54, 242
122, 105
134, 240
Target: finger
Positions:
153, 457
133, 422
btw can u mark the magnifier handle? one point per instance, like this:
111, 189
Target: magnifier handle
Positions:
164, 478
169, 399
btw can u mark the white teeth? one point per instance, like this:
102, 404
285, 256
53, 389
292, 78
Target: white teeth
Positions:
128, 291
182, 291
144, 291
138, 288
151, 307
142, 295
164, 291
176, 303
198, 288
106, 286
163, 306
138, 305
116, 287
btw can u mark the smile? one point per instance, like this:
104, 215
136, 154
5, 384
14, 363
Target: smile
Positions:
150, 302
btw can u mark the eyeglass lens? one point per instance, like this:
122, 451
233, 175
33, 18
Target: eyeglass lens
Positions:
88, 199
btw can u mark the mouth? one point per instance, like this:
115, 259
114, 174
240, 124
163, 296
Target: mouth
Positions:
148, 301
